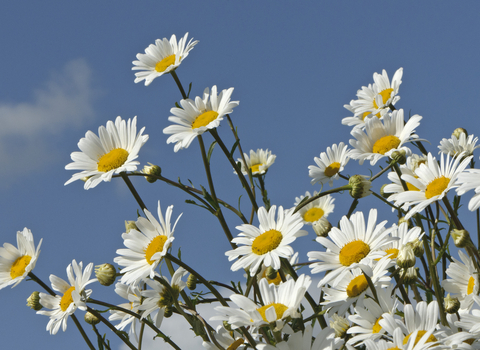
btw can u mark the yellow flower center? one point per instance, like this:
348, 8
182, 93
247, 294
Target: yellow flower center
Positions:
204, 119
332, 169
436, 187
394, 348
256, 168
266, 242
385, 144
393, 252
313, 214
66, 299
471, 284
279, 310
411, 187
420, 334
385, 96
112, 160
376, 327
155, 246
19, 266
357, 286
366, 114
235, 344
353, 252
162, 65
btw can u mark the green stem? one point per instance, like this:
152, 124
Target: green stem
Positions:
133, 190
82, 332
102, 340
321, 194
179, 84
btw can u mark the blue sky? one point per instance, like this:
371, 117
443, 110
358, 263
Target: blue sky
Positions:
66, 69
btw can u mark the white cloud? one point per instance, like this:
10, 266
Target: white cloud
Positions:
64, 102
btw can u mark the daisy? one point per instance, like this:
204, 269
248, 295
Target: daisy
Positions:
258, 162
433, 182
17, 262
196, 117
159, 297
112, 152
380, 140
403, 236
267, 243
228, 340
325, 340
146, 246
316, 210
162, 58
73, 296
358, 121
353, 244
280, 303
463, 282
469, 180
133, 294
329, 165
454, 146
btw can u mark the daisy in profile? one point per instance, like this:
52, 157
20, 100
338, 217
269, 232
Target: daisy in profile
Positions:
403, 235
196, 117
146, 246
358, 121
258, 162
229, 340
461, 144
112, 152
329, 165
314, 211
381, 139
463, 281
267, 243
280, 303
74, 296
133, 294
159, 298
325, 340
162, 58
470, 180
17, 262
432, 181
353, 244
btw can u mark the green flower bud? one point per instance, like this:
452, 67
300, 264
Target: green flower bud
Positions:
360, 186
271, 273
106, 274
458, 131
130, 225
418, 248
340, 325
152, 170
33, 301
406, 256
452, 305
461, 238
399, 156
410, 275
192, 282
91, 319
322, 227
168, 311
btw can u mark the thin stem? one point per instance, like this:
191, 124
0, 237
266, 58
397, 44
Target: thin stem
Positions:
133, 190
102, 340
321, 194
40, 282
179, 84
82, 332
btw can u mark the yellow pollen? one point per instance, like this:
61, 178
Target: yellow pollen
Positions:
155, 246
385, 96
112, 160
436, 187
19, 266
162, 65
385, 144
204, 119
357, 286
394, 348
376, 327
279, 310
332, 169
353, 252
313, 214
266, 242
256, 168
66, 299
420, 334
471, 284
235, 344
393, 252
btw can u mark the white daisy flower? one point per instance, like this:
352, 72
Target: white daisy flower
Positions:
280, 302
353, 244
17, 262
258, 162
228, 340
433, 182
358, 121
159, 297
314, 211
380, 140
277, 279
74, 295
464, 281
470, 180
267, 243
329, 165
403, 235
112, 152
463, 144
133, 294
146, 246
161, 58
325, 340
196, 117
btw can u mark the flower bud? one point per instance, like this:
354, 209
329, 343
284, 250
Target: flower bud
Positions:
409, 275
227, 326
418, 248
168, 311
399, 157
452, 305
402, 220
33, 301
461, 238
152, 170
271, 273
458, 131
192, 282
130, 225
406, 256
383, 193
360, 186
106, 274
340, 325
91, 318
322, 227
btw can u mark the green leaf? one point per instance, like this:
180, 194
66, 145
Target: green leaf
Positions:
210, 150
189, 89
234, 147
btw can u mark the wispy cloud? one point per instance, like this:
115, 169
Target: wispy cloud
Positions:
64, 102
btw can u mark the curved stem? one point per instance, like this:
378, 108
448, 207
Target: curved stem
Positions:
179, 84
82, 332
133, 190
